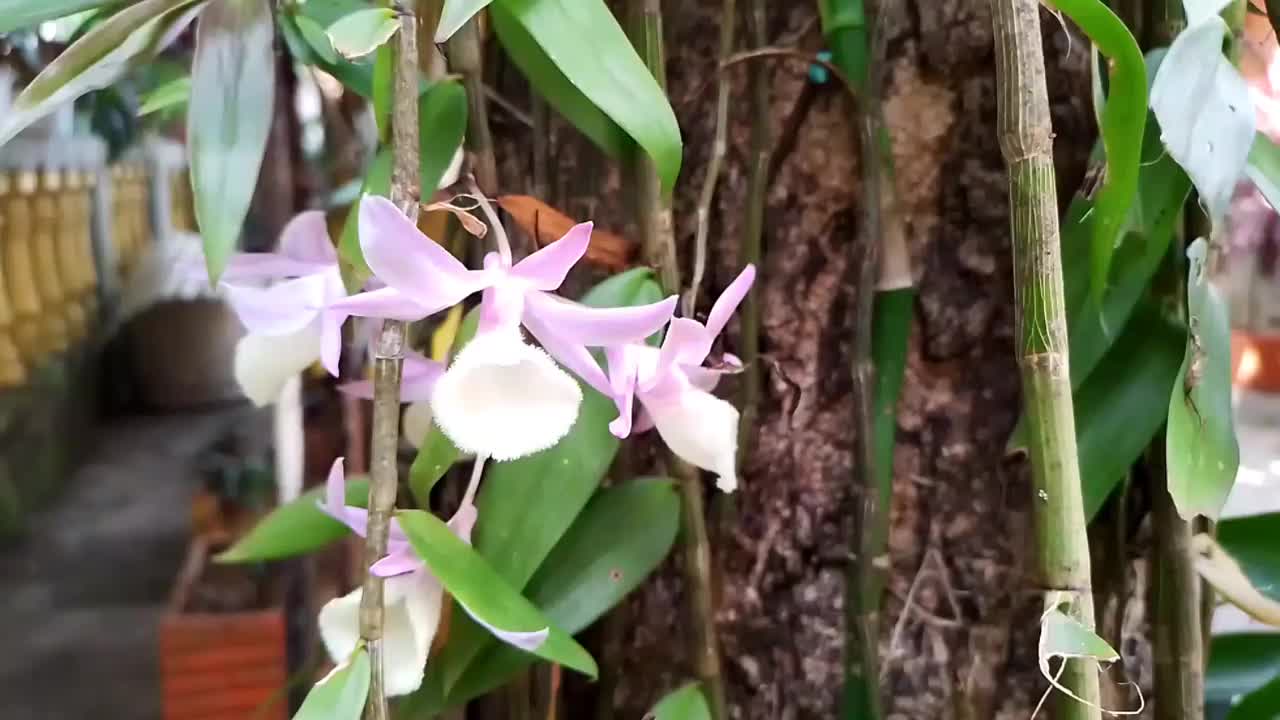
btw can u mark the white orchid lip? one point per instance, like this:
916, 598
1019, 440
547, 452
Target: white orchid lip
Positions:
701, 429
504, 398
264, 363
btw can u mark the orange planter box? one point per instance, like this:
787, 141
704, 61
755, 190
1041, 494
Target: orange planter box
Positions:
1255, 361
220, 666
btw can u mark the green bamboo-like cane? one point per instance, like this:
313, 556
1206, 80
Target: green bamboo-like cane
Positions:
1026, 140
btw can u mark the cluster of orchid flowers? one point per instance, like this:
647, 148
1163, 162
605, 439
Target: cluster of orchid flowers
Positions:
500, 398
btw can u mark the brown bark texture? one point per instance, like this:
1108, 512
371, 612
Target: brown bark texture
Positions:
958, 637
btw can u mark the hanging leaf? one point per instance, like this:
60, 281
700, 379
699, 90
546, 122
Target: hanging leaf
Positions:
1224, 574
1261, 704
22, 14
1264, 168
1201, 450
309, 44
317, 38
361, 32
232, 91
583, 40
685, 703
1205, 113
1241, 663
341, 694
1064, 637
1251, 540
173, 93
295, 528
384, 91
619, 539
483, 592
442, 123
99, 58
377, 181
455, 14
547, 224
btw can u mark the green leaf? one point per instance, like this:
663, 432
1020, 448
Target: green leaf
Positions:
685, 703
21, 14
317, 38
1062, 636
623, 535
1124, 401
1261, 704
1240, 663
377, 181
434, 458
174, 92
1251, 540
308, 43
361, 32
442, 120
98, 59
583, 40
483, 592
341, 694
232, 92
295, 528
1201, 450
455, 14
1264, 168
1206, 113
383, 90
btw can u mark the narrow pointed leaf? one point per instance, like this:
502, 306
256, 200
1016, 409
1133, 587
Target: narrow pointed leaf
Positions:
455, 14
232, 92
21, 14
1261, 704
1201, 450
317, 38
1251, 540
442, 120
341, 694
1225, 575
377, 181
476, 585
98, 59
685, 703
174, 92
583, 40
1264, 168
295, 528
1240, 663
313, 47
361, 32
1062, 636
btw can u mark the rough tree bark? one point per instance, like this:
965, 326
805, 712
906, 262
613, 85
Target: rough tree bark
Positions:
964, 646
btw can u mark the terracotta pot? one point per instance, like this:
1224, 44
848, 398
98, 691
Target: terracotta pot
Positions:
1255, 361
220, 666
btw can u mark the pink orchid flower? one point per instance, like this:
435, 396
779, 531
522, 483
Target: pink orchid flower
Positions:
412, 596
287, 325
674, 388
501, 397
417, 385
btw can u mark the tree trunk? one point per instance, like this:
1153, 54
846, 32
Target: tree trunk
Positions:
958, 636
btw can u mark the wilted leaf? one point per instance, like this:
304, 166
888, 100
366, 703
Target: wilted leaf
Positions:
1205, 113
547, 224
1222, 572
685, 703
232, 92
98, 58
1201, 451
455, 14
1062, 636
341, 694
469, 222
361, 32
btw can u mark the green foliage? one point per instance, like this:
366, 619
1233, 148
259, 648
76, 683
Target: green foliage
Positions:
19, 14
361, 32
442, 123
295, 528
455, 14
1062, 636
1251, 540
684, 703
173, 93
377, 181
476, 585
232, 93
1241, 663
1201, 450
341, 694
584, 42
1261, 704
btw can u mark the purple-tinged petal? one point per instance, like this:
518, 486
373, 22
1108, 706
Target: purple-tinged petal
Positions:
260, 266
573, 356
306, 238
405, 259
643, 423
280, 309
335, 487
417, 382
463, 521
622, 381
729, 300
386, 303
546, 269
687, 343
331, 340
700, 428
597, 327
397, 562
501, 306
525, 640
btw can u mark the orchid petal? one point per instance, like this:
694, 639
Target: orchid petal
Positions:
500, 307
264, 363
417, 381
547, 268
280, 309
416, 423
643, 422
261, 266
335, 488
573, 356
505, 399
622, 381
596, 327
387, 303
729, 300
700, 428
400, 561
687, 342
306, 238
463, 521
331, 340
405, 259
525, 640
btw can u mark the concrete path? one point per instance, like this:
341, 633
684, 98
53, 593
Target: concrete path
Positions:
82, 592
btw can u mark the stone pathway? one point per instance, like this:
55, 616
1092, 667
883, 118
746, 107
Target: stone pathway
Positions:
81, 593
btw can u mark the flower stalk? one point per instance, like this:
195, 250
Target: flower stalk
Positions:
1026, 141
388, 363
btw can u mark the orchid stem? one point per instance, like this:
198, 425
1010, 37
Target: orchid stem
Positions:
659, 250
499, 233
387, 369
477, 469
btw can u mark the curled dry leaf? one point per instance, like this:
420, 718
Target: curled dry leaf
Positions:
1222, 571
470, 223
547, 224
